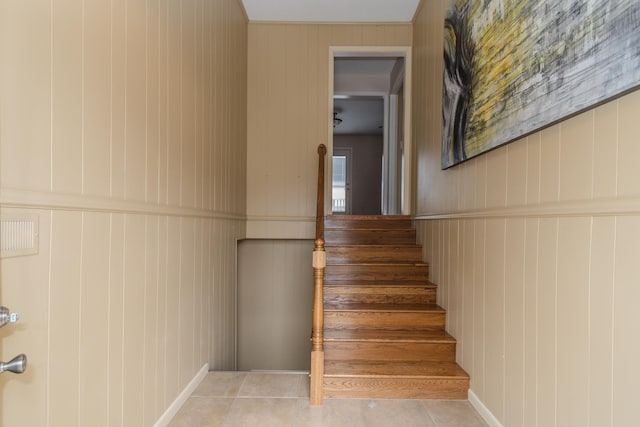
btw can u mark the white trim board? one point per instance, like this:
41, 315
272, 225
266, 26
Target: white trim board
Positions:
484, 412
175, 406
618, 206
15, 198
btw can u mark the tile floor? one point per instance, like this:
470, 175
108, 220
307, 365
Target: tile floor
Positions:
256, 399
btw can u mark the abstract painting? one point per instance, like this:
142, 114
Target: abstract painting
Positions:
512, 67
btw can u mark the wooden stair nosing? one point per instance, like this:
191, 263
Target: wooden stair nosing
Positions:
420, 380
395, 293
336, 237
385, 320
385, 335
372, 231
396, 388
366, 217
378, 264
400, 272
393, 308
377, 267
432, 369
390, 352
378, 283
343, 260
392, 346
359, 221
330, 246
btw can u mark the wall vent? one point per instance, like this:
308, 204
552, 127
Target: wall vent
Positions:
18, 236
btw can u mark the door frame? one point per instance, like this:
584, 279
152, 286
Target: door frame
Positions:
381, 52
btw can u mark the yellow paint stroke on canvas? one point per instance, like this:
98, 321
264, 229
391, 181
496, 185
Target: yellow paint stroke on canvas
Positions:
498, 64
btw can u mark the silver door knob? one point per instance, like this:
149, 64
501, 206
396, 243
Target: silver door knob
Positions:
7, 317
17, 365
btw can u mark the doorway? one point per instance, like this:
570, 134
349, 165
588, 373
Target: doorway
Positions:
379, 77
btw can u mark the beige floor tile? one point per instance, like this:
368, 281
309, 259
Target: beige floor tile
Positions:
451, 413
273, 385
236, 399
220, 384
305, 386
398, 413
202, 412
332, 413
250, 412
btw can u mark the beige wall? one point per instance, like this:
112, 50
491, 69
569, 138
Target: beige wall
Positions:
535, 248
288, 116
275, 298
122, 129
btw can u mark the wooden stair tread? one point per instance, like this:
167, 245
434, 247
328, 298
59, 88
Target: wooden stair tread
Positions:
366, 253
377, 264
366, 221
370, 230
436, 369
376, 307
384, 335
368, 217
371, 246
379, 283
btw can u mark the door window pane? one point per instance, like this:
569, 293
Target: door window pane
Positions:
338, 194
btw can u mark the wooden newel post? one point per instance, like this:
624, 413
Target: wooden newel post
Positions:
319, 264
317, 332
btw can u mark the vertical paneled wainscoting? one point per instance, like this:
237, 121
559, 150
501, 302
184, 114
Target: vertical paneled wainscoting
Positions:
542, 308
124, 133
119, 311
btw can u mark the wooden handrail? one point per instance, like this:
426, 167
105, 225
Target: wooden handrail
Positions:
322, 152
319, 264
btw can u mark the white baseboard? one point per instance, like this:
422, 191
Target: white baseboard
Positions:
484, 412
175, 406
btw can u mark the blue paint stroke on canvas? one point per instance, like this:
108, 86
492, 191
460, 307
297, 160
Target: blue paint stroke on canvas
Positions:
513, 67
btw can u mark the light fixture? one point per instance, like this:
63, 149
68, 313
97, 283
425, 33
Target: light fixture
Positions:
336, 120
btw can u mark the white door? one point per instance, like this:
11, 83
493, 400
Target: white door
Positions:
24, 290
341, 182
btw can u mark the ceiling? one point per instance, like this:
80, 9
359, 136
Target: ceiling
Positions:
331, 10
360, 115
364, 65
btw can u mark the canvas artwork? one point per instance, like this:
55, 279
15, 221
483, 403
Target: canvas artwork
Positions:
512, 67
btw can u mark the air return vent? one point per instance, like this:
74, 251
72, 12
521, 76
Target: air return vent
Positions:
18, 235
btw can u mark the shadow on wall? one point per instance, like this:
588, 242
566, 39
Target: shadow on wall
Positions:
275, 299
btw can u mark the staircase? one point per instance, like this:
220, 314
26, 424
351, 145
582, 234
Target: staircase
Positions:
384, 334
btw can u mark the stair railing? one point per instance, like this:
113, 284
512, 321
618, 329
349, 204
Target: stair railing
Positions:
319, 264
